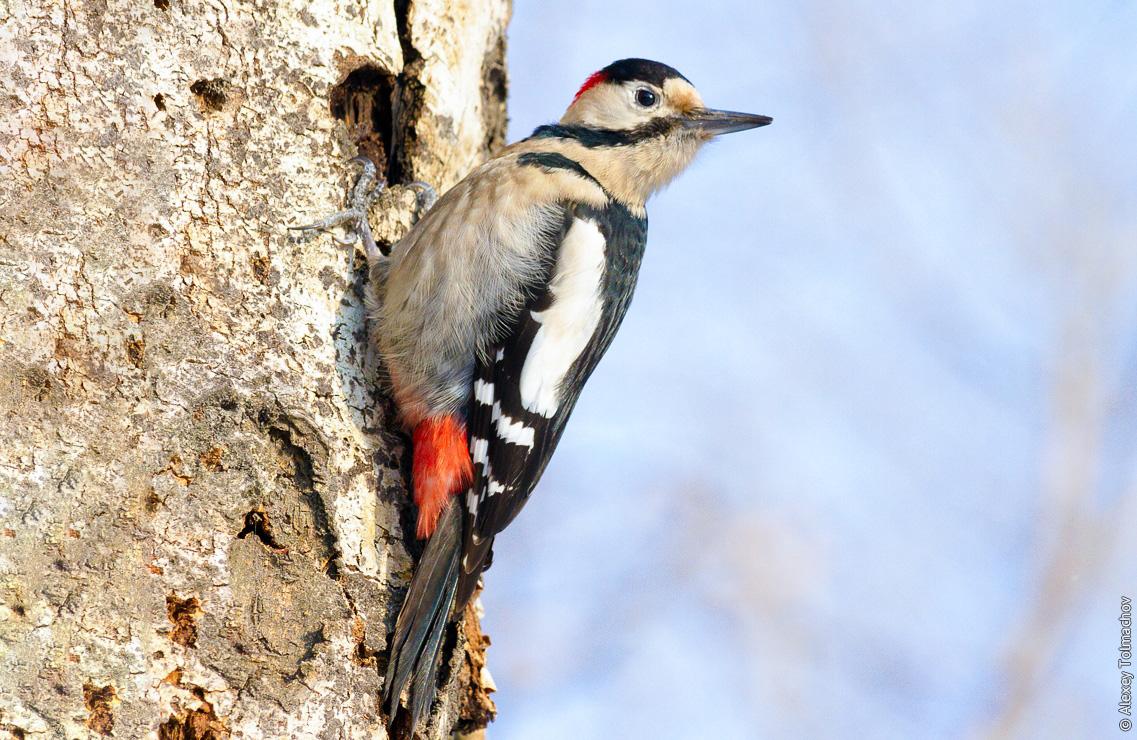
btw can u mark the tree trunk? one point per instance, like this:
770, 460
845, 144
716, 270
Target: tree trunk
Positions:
203, 509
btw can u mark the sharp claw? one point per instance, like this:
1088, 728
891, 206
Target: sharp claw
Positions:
427, 195
363, 159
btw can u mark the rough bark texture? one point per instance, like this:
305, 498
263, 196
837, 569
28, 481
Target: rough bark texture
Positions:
202, 492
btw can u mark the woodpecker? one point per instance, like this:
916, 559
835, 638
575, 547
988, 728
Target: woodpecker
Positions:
492, 312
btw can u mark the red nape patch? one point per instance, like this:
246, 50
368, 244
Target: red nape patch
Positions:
593, 80
441, 468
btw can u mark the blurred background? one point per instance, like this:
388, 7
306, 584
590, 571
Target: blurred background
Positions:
861, 462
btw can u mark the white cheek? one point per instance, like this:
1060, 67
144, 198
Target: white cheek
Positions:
609, 107
627, 116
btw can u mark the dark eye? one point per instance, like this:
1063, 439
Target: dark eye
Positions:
645, 97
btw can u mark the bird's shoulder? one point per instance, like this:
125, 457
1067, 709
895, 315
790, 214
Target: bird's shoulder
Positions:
519, 191
539, 172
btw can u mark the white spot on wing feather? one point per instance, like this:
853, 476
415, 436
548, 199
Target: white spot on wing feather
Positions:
492, 486
568, 324
483, 392
479, 450
510, 430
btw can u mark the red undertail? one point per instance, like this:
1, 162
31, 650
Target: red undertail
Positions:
441, 468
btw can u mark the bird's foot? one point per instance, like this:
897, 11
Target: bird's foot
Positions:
354, 220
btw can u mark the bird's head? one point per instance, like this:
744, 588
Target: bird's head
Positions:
642, 97
650, 120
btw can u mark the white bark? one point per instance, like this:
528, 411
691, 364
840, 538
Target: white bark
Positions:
202, 492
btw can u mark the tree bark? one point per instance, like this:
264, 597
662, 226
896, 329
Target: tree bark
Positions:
204, 522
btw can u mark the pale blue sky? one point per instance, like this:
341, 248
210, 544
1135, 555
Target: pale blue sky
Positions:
868, 430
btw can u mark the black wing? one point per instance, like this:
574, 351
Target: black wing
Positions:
511, 445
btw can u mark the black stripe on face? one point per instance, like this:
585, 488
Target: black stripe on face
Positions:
600, 137
554, 161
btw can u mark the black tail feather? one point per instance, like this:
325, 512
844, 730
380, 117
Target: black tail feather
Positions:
422, 687
473, 563
423, 618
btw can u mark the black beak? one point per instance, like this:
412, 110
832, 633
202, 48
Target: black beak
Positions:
710, 122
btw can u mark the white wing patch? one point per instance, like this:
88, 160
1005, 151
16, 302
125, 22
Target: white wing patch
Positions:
568, 324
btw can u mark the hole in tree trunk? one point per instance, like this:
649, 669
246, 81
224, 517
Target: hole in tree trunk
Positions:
258, 525
213, 93
363, 101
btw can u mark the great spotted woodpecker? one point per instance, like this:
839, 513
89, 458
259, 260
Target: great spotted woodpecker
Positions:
494, 310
